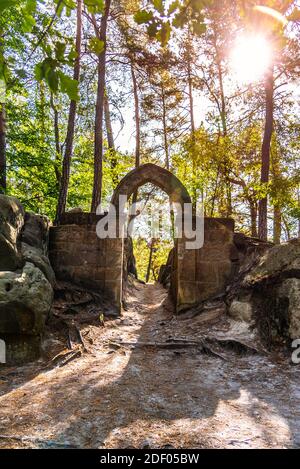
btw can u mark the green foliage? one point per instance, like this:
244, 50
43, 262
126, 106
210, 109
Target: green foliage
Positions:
49, 70
7, 4
95, 45
143, 16
159, 257
94, 6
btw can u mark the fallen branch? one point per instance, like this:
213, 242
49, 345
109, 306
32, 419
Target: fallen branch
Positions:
63, 358
175, 344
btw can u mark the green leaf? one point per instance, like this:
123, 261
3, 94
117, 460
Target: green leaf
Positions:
60, 48
69, 86
39, 73
179, 20
52, 79
164, 34
94, 6
173, 7
31, 6
198, 28
7, 4
143, 16
159, 5
21, 73
152, 29
28, 23
96, 46
72, 55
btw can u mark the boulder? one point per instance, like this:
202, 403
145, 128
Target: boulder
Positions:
289, 295
241, 310
35, 256
36, 231
282, 260
25, 301
26, 280
267, 290
11, 223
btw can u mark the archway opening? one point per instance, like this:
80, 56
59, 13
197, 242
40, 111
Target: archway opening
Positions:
152, 235
168, 187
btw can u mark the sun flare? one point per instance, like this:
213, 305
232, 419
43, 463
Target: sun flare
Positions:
250, 58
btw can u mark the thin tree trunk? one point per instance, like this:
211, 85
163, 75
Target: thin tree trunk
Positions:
150, 261
137, 126
65, 178
110, 139
109, 130
165, 130
223, 117
192, 117
98, 142
2, 127
2, 149
136, 118
253, 216
277, 224
57, 141
191, 98
265, 153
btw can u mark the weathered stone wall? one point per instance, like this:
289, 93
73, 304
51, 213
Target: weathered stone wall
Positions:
78, 255
200, 274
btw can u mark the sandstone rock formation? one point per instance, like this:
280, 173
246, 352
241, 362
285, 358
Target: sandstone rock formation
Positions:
11, 223
267, 291
26, 280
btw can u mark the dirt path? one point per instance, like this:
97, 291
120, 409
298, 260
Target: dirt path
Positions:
121, 397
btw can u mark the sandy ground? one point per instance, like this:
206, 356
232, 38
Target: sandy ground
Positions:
129, 397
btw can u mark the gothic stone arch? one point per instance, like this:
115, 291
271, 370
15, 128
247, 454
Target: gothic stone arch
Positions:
172, 186
197, 274
151, 173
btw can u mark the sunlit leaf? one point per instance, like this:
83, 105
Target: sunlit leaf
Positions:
159, 5
152, 29
60, 48
96, 46
52, 79
198, 28
173, 7
69, 86
94, 6
6, 4
143, 16
164, 34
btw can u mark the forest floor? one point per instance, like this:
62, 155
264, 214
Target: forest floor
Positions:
117, 395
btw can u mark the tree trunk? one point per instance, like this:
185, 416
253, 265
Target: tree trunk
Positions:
2, 149
110, 139
65, 177
109, 130
98, 142
2, 127
165, 130
57, 141
253, 216
277, 224
223, 118
265, 153
136, 118
149, 261
137, 126
191, 98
